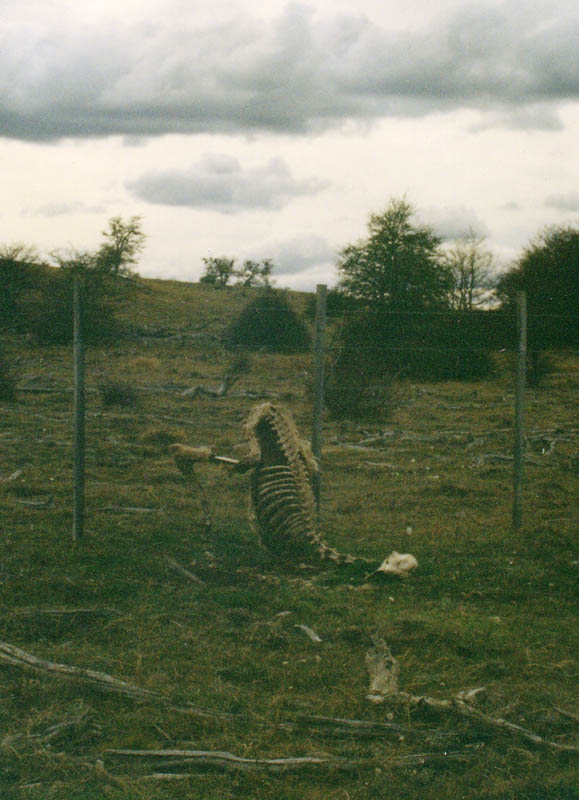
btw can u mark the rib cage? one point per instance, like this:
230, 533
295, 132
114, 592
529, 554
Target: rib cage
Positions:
281, 496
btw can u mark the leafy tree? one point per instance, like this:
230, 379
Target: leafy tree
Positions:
548, 270
255, 273
16, 263
124, 241
398, 267
218, 271
399, 275
470, 269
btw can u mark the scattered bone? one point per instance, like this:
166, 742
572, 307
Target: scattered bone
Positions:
383, 670
400, 564
310, 633
11, 477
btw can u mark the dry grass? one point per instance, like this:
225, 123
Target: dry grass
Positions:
486, 606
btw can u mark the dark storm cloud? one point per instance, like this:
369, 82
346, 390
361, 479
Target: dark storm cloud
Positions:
219, 183
294, 74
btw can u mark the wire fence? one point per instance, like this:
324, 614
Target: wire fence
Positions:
116, 431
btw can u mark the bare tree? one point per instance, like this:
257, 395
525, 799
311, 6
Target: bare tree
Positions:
471, 268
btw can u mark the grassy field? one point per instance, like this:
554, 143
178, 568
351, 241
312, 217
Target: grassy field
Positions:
222, 654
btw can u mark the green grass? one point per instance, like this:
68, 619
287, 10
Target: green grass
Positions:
486, 607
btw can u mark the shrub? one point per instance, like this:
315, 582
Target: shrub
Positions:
269, 321
51, 314
372, 349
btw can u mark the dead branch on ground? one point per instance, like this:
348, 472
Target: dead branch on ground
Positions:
383, 669
190, 761
100, 681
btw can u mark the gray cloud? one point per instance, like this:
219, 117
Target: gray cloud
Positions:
293, 74
454, 222
63, 209
563, 202
296, 254
219, 183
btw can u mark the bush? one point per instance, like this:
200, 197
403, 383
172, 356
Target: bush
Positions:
50, 314
372, 350
269, 321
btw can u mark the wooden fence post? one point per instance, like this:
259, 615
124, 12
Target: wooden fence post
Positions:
319, 361
79, 411
519, 451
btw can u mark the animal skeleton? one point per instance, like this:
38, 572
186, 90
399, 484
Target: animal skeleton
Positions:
281, 495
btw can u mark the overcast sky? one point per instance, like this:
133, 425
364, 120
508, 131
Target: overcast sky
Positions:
273, 130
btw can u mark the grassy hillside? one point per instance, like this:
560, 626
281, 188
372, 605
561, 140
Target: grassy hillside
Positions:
210, 625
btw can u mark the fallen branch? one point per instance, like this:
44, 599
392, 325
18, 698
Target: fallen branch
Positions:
65, 612
190, 761
14, 656
462, 706
239, 367
97, 680
193, 760
383, 669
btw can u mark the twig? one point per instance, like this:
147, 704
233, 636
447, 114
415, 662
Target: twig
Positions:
48, 502
130, 510
568, 714
182, 571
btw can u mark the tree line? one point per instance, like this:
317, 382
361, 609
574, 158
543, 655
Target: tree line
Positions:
410, 305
